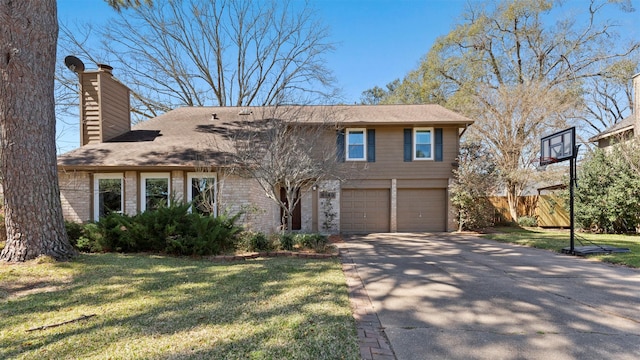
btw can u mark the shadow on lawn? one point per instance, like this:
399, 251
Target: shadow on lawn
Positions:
205, 310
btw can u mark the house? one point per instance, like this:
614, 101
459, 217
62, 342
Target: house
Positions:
404, 154
625, 129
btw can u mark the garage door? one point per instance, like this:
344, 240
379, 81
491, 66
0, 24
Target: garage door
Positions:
364, 210
422, 210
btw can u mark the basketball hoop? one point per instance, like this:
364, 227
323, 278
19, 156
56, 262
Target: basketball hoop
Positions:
541, 163
559, 147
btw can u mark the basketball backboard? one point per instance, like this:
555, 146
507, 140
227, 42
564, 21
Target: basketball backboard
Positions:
558, 147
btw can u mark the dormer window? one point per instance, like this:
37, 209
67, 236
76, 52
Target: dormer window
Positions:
356, 148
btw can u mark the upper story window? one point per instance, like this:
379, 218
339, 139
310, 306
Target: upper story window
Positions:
356, 147
154, 190
423, 144
107, 195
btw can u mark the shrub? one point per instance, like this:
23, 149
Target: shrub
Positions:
154, 230
89, 241
287, 241
528, 221
171, 229
259, 242
254, 241
112, 233
606, 199
473, 179
316, 242
74, 232
207, 235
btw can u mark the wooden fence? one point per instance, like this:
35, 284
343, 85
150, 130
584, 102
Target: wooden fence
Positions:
549, 210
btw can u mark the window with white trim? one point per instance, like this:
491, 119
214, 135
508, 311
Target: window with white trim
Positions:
201, 189
356, 144
154, 190
423, 144
107, 195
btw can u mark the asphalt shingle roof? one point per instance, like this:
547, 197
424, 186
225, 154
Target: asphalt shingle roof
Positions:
622, 125
184, 136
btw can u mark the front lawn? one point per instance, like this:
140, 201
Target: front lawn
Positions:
156, 307
556, 240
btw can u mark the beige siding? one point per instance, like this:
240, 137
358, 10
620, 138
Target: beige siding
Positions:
90, 109
75, 195
390, 162
114, 107
104, 107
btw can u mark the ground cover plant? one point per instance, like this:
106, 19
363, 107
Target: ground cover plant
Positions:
557, 239
155, 307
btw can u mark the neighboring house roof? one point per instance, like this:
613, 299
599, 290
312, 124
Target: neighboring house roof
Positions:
188, 135
625, 124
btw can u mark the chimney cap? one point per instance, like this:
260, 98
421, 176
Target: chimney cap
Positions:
105, 67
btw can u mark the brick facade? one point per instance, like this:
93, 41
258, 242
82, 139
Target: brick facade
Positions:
329, 207
131, 192
75, 195
306, 208
241, 194
234, 194
177, 186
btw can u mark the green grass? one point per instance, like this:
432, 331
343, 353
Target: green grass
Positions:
556, 240
155, 307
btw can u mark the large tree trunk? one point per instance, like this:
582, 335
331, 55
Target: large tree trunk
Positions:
33, 212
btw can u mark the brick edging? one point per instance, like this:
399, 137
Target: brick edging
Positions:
373, 342
255, 255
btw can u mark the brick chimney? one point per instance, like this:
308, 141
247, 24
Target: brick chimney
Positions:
104, 106
636, 104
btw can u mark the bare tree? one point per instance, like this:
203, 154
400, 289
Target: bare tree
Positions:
519, 74
287, 148
609, 99
125, 4
33, 211
222, 53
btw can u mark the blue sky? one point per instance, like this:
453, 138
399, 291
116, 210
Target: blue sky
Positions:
376, 41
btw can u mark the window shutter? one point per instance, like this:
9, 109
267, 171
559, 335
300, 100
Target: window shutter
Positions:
408, 134
371, 145
439, 144
340, 145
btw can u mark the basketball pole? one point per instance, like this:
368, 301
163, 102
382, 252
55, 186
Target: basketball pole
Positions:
572, 179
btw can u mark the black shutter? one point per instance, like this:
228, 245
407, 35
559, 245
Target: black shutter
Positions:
439, 144
340, 145
408, 144
371, 145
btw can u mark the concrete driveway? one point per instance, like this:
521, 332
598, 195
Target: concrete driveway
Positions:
448, 296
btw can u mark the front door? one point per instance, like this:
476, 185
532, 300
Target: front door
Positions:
296, 221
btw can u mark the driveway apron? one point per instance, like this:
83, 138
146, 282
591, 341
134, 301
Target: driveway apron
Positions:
449, 296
